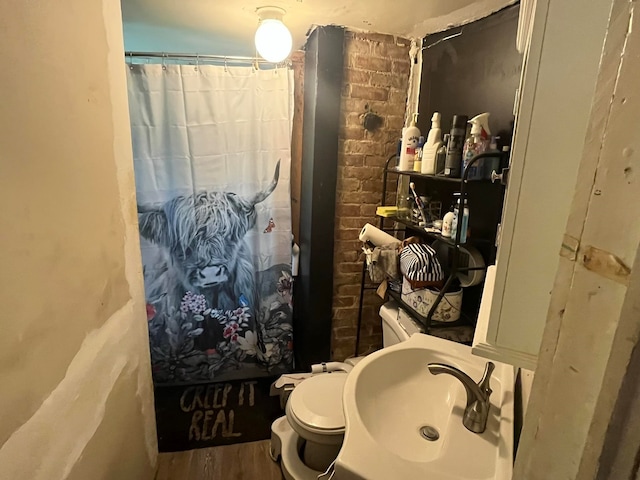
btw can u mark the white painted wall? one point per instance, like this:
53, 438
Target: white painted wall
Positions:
76, 398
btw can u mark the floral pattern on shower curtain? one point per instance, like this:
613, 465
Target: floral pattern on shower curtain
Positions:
211, 149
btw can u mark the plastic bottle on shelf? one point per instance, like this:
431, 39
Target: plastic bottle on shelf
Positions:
475, 144
431, 146
465, 223
402, 197
410, 161
417, 160
454, 220
410, 139
462, 223
447, 222
441, 155
493, 163
453, 162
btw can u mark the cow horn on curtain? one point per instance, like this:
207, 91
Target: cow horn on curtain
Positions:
260, 196
215, 237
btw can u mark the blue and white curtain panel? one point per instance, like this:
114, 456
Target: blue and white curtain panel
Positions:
212, 153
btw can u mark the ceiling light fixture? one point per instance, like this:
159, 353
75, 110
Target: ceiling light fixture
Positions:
273, 39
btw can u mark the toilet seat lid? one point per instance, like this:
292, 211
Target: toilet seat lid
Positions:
317, 402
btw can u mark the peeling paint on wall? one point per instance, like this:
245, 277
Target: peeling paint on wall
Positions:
75, 362
605, 264
593, 325
71, 414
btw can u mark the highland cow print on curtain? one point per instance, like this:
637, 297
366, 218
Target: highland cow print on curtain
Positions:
211, 150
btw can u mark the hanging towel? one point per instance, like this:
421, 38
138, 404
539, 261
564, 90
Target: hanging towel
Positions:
382, 262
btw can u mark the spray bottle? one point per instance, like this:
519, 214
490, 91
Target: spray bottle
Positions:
433, 143
410, 139
476, 143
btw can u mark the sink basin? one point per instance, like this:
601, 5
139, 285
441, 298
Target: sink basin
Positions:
390, 395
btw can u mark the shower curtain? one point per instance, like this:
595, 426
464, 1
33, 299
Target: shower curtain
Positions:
211, 149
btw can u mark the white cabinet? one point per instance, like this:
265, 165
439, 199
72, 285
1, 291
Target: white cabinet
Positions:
556, 93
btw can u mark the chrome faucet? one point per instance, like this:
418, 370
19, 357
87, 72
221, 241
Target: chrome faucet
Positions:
477, 410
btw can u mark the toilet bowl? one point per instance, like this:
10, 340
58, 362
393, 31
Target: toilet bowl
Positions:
314, 411
307, 440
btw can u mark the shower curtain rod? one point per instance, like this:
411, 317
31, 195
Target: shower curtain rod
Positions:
197, 57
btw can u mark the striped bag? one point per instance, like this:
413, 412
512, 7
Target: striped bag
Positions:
419, 264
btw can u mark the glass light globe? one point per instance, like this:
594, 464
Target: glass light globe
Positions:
273, 40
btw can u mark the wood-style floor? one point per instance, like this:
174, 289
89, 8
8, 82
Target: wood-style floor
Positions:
243, 461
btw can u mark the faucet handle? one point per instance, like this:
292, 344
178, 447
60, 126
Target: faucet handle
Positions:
485, 382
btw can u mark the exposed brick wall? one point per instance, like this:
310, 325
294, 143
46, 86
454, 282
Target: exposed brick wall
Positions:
376, 78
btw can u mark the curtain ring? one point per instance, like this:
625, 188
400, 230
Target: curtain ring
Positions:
197, 61
130, 60
164, 56
226, 69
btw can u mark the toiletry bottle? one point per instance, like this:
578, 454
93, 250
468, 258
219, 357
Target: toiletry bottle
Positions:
447, 222
475, 144
464, 233
453, 162
410, 160
402, 197
410, 138
431, 146
441, 155
493, 163
458, 222
417, 160
454, 221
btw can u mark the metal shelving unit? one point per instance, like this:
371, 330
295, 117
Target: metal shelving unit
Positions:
454, 243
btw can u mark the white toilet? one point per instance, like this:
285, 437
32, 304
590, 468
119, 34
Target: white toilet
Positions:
308, 439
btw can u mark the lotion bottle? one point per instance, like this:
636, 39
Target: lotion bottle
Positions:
433, 143
410, 139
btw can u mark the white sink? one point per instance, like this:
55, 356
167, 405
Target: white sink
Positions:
391, 394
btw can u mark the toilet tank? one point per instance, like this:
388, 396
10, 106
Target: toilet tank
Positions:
397, 325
